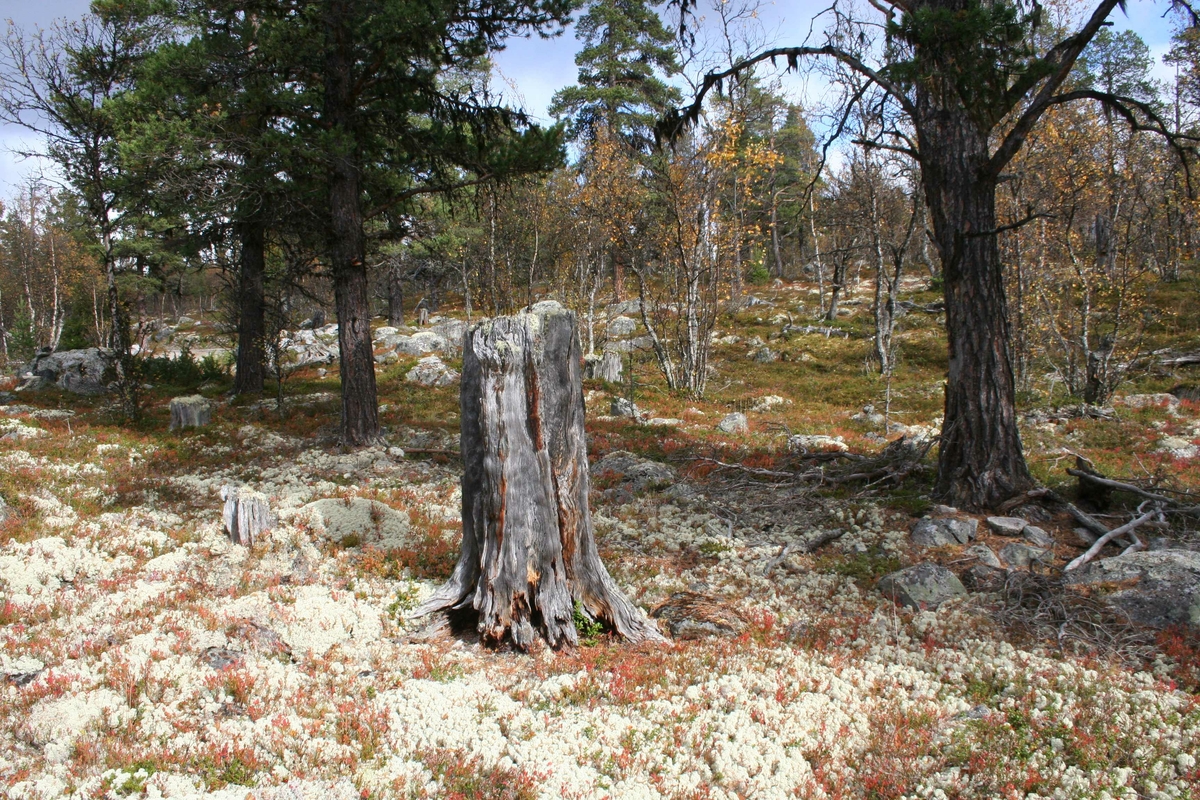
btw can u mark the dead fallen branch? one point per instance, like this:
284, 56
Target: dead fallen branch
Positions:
1043, 608
1023, 498
1127, 528
1121, 486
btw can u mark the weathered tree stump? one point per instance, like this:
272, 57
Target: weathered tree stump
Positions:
247, 514
193, 411
606, 367
528, 551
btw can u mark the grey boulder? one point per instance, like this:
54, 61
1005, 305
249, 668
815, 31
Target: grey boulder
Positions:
925, 585
1007, 526
628, 468
1036, 536
734, 423
1157, 588
1022, 556
432, 371
76, 371
421, 343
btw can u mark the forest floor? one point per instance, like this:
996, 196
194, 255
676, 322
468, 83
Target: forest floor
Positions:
144, 655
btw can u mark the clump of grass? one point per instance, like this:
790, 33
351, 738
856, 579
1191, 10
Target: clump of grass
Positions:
588, 629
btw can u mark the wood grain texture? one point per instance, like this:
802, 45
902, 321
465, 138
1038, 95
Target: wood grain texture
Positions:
528, 553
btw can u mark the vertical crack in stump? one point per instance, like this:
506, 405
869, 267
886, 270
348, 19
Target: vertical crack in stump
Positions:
529, 553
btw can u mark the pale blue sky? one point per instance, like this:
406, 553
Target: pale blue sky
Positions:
536, 68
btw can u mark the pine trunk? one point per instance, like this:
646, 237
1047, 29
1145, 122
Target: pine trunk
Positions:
360, 405
528, 553
251, 352
980, 463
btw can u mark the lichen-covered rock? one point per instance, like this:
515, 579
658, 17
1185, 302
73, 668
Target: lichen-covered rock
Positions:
642, 473
769, 403
451, 331
690, 615
621, 326
623, 407
421, 343
83, 372
1022, 556
1157, 588
985, 556
192, 411
925, 585
353, 521
947, 530
1006, 526
432, 371
734, 423
1036, 536
801, 443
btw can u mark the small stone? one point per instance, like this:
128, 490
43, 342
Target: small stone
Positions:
220, 657
193, 411
925, 585
985, 556
1023, 556
770, 402
734, 423
984, 578
1007, 526
1037, 536
690, 615
939, 532
943, 511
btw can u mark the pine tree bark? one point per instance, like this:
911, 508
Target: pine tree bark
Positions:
980, 462
528, 552
251, 352
347, 248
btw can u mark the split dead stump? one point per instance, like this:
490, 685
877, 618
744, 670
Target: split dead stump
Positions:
246, 515
528, 551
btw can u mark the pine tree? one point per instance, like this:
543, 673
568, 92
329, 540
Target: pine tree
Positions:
627, 52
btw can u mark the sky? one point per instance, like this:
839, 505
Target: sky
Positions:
531, 70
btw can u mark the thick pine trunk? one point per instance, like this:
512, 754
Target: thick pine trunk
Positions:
528, 552
251, 352
347, 249
980, 463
